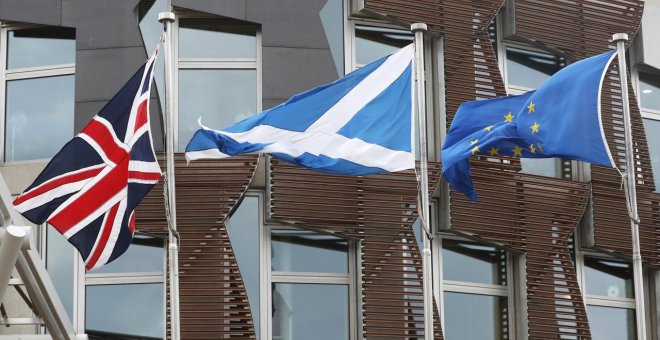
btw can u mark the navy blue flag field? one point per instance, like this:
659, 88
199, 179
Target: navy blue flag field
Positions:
90, 189
560, 119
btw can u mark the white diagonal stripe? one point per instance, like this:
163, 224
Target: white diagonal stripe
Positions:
364, 92
295, 143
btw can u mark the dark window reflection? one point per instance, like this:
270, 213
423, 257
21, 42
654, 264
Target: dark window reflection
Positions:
125, 311
310, 311
220, 97
210, 38
146, 254
37, 129
649, 91
473, 262
607, 323
652, 128
373, 43
307, 251
42, 46
530, 68
475, 317
611, 278
243, 229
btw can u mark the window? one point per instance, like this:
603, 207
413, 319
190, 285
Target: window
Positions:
649, 100
525, 69
36, 62
301, 271
476, 288
218, 74
610, 298
125, 298
373, 43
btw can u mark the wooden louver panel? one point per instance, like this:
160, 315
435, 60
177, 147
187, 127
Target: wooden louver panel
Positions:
213, 299
379, 210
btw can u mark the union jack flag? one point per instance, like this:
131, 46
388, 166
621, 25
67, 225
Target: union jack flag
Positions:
90, 189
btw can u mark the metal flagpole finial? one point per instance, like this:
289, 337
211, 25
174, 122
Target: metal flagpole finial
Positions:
419, 27
619, 36
166, 17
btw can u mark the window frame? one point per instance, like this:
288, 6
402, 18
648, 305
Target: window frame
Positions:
510, 291
22, 74
211, 64
268, 277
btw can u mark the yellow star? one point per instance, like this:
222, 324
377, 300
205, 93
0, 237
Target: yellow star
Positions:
517, 151
508, 118
532, 149
473, 142
540, 148
531, 108
535, 128
488, 128
475, 149
494, 151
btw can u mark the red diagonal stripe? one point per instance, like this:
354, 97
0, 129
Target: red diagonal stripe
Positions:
57, 183
147, 176
92, 198
105, 235
141, 117
104, 138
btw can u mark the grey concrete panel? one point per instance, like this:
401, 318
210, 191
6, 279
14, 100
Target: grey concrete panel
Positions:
227, 8
156, 120
290, 23
101, 73
271, 103
84, 111
46, 12
288, 71
19, 176
102, 24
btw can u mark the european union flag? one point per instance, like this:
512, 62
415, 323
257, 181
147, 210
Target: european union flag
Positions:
560, 119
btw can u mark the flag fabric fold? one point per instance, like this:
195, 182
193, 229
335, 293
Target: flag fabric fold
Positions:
91, 187
562, 118
360, 124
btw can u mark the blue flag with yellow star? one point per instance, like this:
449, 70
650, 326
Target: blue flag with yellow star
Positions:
560, 119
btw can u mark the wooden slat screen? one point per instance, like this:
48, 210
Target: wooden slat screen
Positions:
380, 210
213, 300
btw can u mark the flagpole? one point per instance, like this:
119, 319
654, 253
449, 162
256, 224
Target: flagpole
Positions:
418, 29
631, 191
167, 18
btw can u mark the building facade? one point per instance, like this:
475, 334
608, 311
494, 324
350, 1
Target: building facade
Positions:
272, 251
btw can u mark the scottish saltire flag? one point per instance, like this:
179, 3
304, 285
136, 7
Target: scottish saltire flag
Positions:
560, 119
357, 125
90, 189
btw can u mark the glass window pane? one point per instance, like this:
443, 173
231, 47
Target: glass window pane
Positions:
204, 38
307, 251
611, 278
540, 166
473, 262
373, 43
652, 128
41, 46
125, 310
146, 254
332, 18
60, 257
475, 317
649, 88
607, 323
221, 97
37, 129
530, 68
243, 229
310, 311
